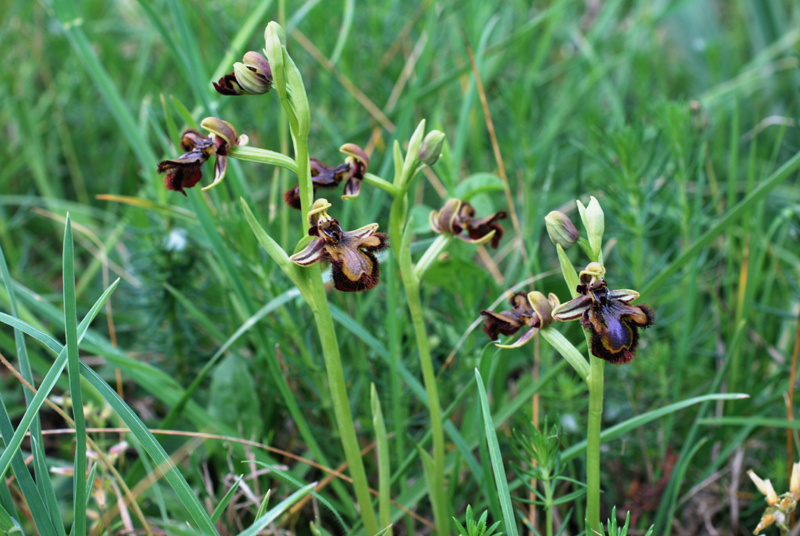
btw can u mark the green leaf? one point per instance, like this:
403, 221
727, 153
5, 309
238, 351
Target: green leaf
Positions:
37, 334
765, 187
263, 507
497, 460
233, 396
478, 183
40, 496
47, 385
286, 477
640, 420
384, 469
8, 525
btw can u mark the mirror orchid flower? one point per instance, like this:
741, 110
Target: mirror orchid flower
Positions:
351, 253
457, 216
185, 171
608, 316
533, 309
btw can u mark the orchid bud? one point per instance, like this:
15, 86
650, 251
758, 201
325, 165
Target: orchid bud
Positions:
561, 230
594, 222
431, 148
254, 74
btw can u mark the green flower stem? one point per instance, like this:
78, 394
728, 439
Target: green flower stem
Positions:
341, 403
295, 104
402, 249
593, 376
330, 352
431, 254
595, 383
377, 182
263, 156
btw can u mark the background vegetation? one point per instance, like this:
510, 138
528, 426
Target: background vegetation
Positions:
671, 113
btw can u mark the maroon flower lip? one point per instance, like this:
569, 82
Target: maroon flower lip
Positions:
351, 254
351, 172
612, 322
185, 171
322, 176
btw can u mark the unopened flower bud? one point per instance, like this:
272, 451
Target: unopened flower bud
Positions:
561, 230
431, 148
594, 221
254, 74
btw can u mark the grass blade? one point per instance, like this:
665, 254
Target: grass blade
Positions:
225, 500
281, 507
73, 369
640, 420
783, 173
384, 470
49, 381
43, 483
66, 15
8, 525
497, 461
155, 450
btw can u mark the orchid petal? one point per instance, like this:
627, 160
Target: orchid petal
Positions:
572, 309
313, 252
479, 241
433, 220
363, 232
528, 335
220, 166
351, 149
623, 295
351, 188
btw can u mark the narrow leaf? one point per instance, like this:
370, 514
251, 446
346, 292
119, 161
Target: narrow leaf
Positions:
497, 461
73, 369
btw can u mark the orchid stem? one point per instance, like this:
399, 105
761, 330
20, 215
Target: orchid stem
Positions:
333, 361
341, 403
595, 384
295, 104
594, 381
411, 280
